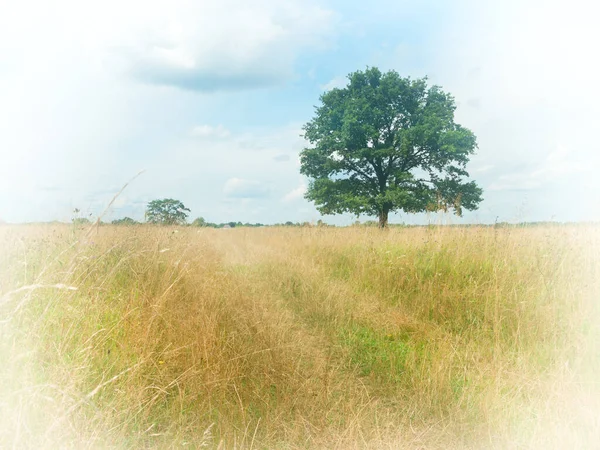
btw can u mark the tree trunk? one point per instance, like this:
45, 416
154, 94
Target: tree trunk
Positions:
383, 218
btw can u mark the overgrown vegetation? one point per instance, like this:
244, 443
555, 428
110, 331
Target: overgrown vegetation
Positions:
318, 337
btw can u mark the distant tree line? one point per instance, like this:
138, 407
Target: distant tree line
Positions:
169, 211
174, 212
201, 222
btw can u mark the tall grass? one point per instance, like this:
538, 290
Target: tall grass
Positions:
436, 337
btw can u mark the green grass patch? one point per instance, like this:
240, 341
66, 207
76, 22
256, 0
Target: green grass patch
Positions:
377, 355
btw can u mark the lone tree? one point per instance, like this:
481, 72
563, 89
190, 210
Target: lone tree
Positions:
386, 143
166, 212
199, 222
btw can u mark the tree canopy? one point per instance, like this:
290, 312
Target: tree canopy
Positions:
166, 212
386, 143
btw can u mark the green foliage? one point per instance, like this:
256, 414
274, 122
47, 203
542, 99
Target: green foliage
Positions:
125, 221
386, 143
166, 212
199, 222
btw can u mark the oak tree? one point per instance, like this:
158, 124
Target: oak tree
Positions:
385, 143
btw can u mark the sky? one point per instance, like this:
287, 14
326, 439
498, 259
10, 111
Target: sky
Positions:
208, 97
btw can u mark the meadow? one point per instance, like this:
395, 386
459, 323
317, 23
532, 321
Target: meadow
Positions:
312, 337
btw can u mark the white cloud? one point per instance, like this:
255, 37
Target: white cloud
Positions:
295, 194
242, 188
482, 169
514, 183
556, 168
207, 131
524, 83
203, 45
559, 164
199, 173
225, 45
234, 177
281, 157
337, 82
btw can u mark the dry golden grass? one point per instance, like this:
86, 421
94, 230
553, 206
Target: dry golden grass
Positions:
299, 337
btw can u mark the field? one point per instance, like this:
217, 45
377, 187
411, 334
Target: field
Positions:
430, 337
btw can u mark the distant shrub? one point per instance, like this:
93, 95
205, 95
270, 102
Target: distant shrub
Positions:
200, 222
125, 221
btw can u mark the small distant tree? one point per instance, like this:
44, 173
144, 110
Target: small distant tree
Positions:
125, 221
166, 212
199, 222
81, 221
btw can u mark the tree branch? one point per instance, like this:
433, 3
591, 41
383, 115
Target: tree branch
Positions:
361, 172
